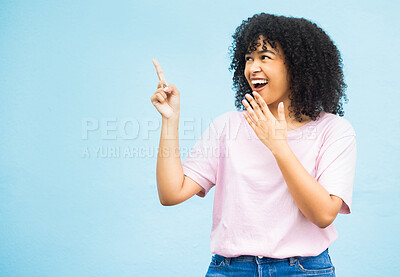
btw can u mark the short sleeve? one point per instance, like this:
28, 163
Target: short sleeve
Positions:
202, 161
336, 168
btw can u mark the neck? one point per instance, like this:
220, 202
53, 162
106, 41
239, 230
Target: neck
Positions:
292, 122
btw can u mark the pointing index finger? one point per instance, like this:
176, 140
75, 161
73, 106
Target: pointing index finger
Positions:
160, 73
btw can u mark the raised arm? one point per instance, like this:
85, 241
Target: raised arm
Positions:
173, 186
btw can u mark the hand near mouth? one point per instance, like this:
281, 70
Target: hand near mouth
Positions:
271, 131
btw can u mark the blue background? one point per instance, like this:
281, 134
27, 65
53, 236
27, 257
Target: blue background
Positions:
76, 77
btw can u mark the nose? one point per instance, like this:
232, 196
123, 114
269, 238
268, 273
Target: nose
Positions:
255, 67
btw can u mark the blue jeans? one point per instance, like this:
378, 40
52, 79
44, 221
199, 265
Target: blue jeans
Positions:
250, 266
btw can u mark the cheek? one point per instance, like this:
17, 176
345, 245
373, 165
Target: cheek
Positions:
283, 76
246, 74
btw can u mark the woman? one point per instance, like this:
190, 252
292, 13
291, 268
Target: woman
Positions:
284, 166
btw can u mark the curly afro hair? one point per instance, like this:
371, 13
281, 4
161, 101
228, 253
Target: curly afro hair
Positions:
313, 61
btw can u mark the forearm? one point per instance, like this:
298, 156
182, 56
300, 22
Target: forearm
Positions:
169, 167
312, 198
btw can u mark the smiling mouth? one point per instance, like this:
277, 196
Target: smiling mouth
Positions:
259, 85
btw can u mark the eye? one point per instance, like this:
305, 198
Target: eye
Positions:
247, 58
263, 56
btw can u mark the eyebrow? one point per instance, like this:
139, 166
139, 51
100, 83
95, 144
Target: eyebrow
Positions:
261, 52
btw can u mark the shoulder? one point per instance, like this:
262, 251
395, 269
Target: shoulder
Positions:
335, 125
227, 123
231, 117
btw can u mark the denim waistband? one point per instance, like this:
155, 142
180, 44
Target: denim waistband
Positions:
257, 259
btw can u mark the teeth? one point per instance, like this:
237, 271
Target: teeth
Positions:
254, 82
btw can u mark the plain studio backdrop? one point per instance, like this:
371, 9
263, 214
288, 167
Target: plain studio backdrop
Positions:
79, 135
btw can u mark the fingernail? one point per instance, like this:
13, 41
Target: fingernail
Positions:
165, 89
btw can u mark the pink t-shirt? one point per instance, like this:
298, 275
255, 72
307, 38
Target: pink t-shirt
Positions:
254, 212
